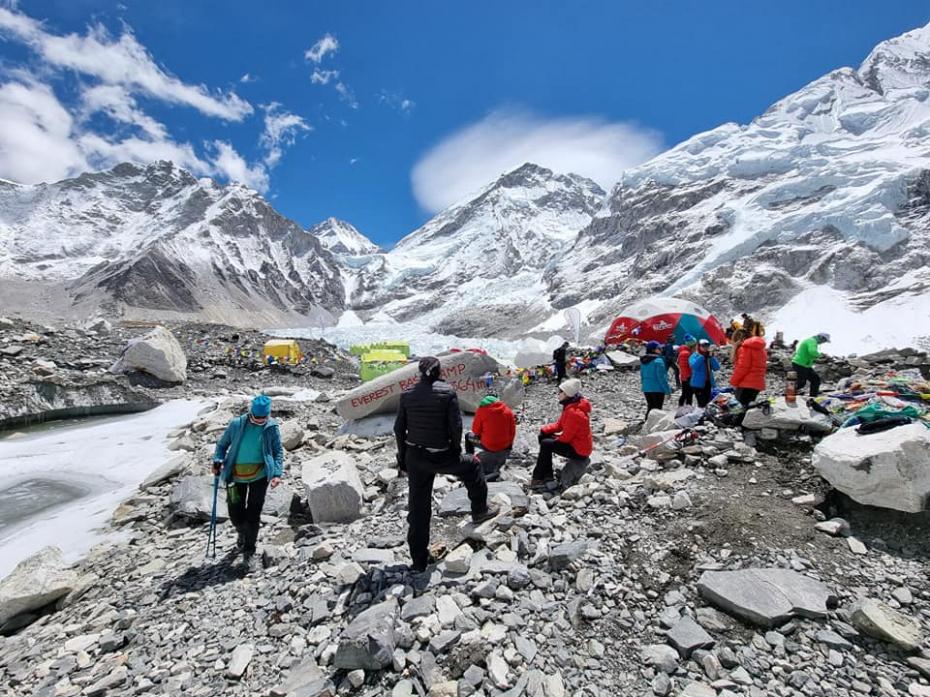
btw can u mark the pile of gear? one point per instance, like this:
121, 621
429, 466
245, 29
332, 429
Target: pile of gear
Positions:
881, 401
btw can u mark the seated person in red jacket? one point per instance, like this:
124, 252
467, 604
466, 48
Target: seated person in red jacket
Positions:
493, 431
569, 437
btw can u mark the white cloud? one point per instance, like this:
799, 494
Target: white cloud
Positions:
106, 153
327, 44
346, 94
36, 141
119, 105
118, 61
323, 77
475, 156
281, 130
231, 165
248, 78
396, 101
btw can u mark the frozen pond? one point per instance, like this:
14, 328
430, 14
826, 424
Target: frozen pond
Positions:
61, 481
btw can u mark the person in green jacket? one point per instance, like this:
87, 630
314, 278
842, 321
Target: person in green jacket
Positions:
803, 362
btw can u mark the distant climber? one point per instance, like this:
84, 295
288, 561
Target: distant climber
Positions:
653, 377
569, 437
248, 458
428, 429
703, 364
559, 358
750, 364
492, 431
803, 362
684, 353
669, 355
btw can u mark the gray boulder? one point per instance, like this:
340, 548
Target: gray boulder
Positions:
456, 501
173, 467
192, 498
688, 636
890, 469
880, 621
157, 353
368, 642
766, 597
788, 417
333, 488
36, 581
292, 435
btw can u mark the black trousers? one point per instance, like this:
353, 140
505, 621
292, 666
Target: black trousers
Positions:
245, 502
548, 446
422, 468
806, 375
702, 394
654, 400
687, 394
746, 395
675, 369
491, 460
559, 371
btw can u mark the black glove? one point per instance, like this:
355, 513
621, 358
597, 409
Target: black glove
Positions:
401, 465
217, 468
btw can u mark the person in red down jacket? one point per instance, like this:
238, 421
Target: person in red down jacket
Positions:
492, 430
569, 437
684, 370
751, 362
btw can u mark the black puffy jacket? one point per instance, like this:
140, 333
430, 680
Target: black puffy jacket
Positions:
429, 416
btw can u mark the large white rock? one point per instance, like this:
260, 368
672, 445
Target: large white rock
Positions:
659, 420
890, 469
334, 489
157, 353
622, 359
35, 582
464, 371
788, 417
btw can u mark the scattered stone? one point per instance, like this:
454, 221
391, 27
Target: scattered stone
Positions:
660, 656
456, 501
687, 635
368, 642
881, 622
856, 546
767, 597
239, 662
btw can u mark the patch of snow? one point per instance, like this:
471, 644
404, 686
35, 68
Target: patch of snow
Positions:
107, 460
896, 323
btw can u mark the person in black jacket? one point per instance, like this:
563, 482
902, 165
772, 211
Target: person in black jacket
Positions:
428, 429
558, 357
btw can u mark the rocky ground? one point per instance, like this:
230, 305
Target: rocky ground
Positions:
614, 586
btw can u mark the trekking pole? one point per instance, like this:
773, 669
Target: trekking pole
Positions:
211, 535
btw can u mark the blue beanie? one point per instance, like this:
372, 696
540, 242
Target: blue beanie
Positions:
261, 406
652, 346
690, 339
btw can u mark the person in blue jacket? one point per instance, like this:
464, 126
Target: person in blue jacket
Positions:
248, 459
653, 375
703, 364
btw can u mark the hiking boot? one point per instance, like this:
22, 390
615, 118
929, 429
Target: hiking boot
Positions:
251, 562
489, 512
421, 568
240, 541
543, 484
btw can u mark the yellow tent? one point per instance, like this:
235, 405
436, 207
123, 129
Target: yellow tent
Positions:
381, 362
283, 351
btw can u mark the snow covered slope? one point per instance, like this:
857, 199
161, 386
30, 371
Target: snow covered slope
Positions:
343, 239
829, 187
156, 242
479, 267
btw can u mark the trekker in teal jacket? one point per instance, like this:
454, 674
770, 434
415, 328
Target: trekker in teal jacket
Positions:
803, 362
653, 375
248, 458
703, 364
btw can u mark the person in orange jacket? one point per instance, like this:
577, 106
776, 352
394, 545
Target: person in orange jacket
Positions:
493, 430
751, 362
684, 370
569, 437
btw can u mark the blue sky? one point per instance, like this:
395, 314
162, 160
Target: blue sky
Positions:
414, 104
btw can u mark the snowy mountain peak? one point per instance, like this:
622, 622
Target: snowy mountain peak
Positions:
343, 238
900, 63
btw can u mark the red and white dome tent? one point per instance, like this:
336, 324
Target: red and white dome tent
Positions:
654, 319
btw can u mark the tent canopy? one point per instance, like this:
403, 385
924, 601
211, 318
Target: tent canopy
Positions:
655, 319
